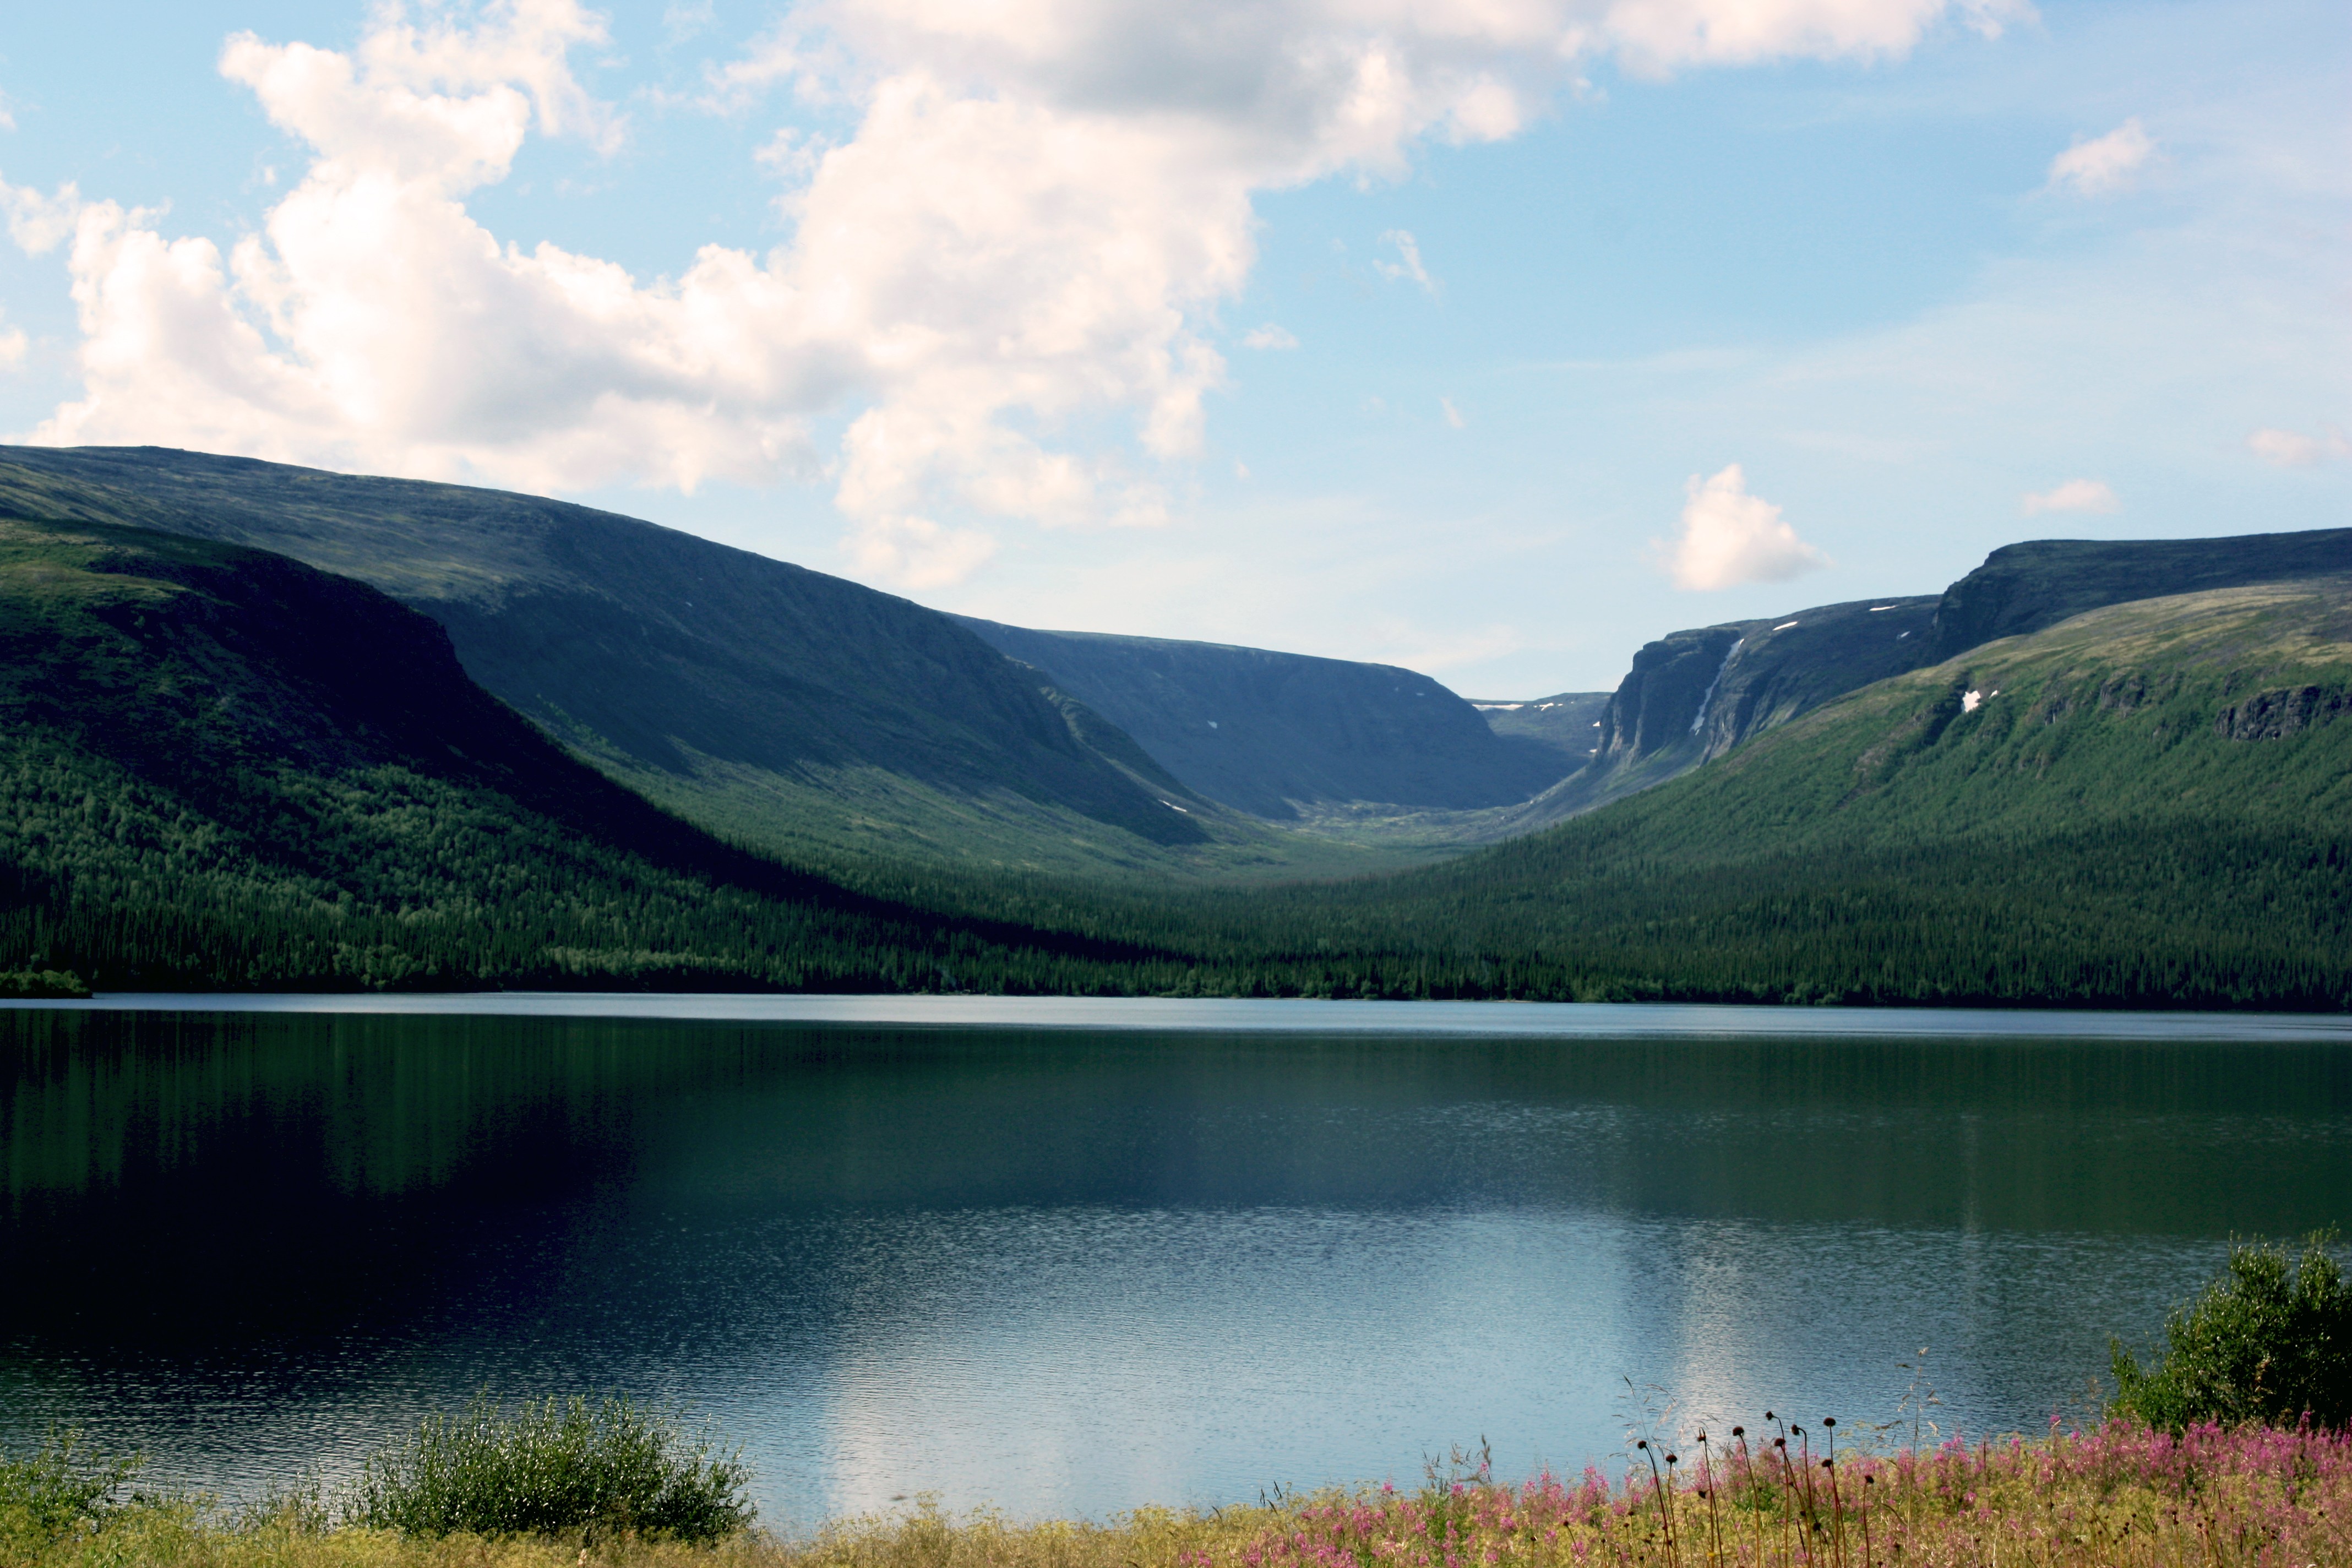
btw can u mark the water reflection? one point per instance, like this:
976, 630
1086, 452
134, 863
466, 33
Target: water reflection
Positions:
1071, 1272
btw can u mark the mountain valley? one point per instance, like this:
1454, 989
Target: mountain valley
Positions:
270, 727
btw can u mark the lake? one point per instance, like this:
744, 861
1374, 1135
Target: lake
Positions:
1066, 1257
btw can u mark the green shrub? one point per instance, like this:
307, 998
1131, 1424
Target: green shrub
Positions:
57, 1491
46, 983
600, 1469
2268, 1341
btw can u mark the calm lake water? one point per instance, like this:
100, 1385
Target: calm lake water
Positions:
1018, 1254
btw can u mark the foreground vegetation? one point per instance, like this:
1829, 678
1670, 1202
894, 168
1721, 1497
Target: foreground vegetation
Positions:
2119, 1495
2161, 1481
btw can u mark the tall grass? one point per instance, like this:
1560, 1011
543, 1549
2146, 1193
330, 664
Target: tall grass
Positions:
59, 1492
2118, 1496
2121, 1495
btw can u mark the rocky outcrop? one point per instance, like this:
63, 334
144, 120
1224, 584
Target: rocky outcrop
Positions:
1695, 694
2275, 715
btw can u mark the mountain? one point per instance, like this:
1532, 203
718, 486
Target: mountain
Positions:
808, 715
1692, 696
2025, 588
1562, 722
220, 767
1270, 733
2146, 805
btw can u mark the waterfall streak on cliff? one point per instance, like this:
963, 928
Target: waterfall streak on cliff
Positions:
1729, 654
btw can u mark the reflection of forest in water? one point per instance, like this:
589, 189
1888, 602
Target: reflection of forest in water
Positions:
2103, 1135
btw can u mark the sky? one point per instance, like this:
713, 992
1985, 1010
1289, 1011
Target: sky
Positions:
1492, 338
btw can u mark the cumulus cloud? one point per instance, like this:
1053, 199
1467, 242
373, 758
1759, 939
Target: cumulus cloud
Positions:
2104, 163
2074, 495
12, 347
1453, 414
1268, 336
1729, 537
2293, 449
1040, 209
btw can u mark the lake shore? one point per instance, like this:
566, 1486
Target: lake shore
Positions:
2115, 1494
1299, 1014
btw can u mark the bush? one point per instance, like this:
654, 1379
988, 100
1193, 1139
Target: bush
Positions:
2270, 1341
43, 983
600, 1469
59, 1492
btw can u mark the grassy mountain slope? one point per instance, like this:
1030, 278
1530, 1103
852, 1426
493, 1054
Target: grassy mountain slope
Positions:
1268, 732
808, 715
222, 768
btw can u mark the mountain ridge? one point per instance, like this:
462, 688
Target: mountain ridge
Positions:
1265, 731
742, 691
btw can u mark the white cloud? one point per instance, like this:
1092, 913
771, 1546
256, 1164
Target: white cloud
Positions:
1453, 414
1042, 204
1729, 537
2104, 163
38, 224
1268, 336
1409, 266
8, 114
2293, 450
2074, 495
12, 347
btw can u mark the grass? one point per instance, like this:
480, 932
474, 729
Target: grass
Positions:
2120, 1494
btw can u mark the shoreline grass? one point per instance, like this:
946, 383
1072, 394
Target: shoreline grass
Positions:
2118, 1494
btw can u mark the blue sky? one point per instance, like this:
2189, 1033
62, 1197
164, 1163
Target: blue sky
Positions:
1488, 338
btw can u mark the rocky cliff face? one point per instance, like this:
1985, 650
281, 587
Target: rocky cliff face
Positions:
1695, 694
